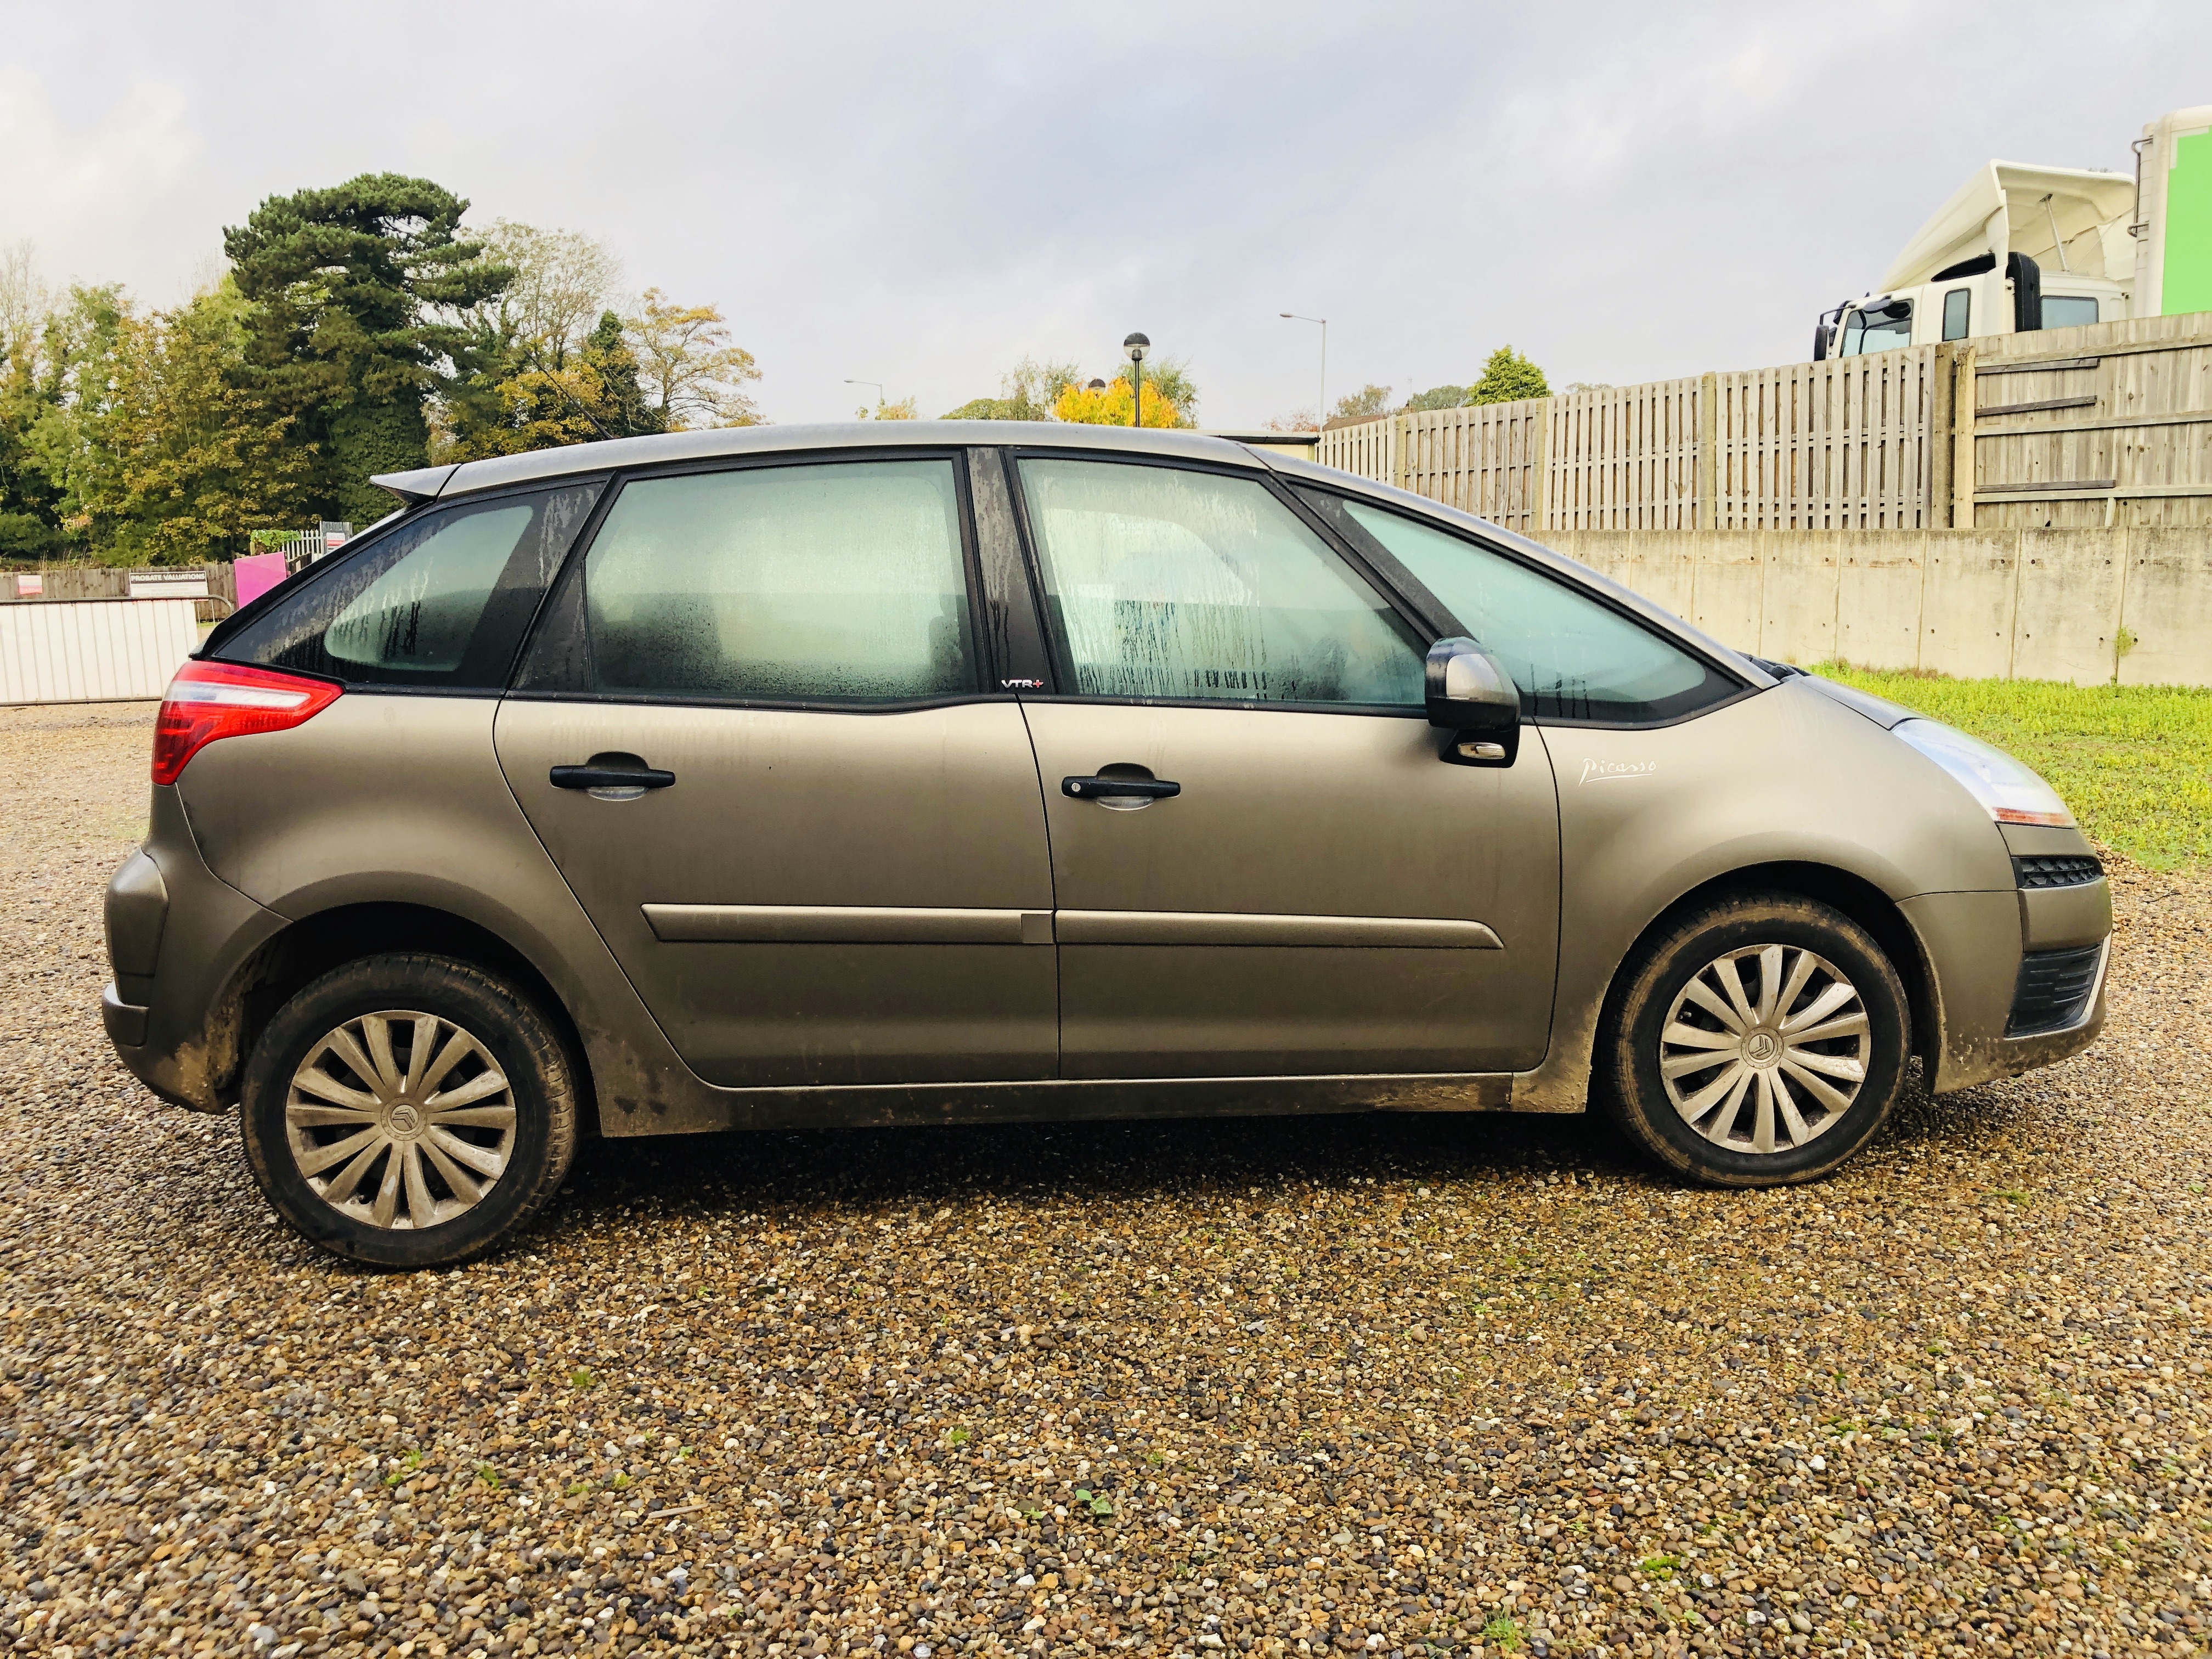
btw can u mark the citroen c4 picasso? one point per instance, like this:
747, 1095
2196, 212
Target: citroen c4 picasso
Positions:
971, 772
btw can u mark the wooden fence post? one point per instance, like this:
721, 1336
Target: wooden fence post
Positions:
1709, 411
1942, 407
1540, 484
1962, 404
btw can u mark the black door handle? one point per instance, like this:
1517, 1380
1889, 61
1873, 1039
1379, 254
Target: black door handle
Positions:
611, 777
1096, 788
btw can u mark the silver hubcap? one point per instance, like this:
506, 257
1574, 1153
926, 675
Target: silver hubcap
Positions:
1765, 1048
400, 1120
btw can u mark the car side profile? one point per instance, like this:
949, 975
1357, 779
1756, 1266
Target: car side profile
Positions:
978, 771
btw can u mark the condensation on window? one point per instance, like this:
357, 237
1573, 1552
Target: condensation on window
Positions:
441, 599
1181, 585
841, 581
421, 612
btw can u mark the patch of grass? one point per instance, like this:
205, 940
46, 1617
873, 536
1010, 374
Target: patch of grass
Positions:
1504, 1634
2134, 762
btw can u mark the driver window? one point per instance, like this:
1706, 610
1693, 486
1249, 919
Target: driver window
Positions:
1194, 586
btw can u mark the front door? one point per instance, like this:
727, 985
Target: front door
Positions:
752, 733
1319, 893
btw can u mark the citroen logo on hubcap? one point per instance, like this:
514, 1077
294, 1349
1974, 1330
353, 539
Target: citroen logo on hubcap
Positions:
405, 1120
1760, 1047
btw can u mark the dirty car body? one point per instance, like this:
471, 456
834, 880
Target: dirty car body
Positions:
967, 772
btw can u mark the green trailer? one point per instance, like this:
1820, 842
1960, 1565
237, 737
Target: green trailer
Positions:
2173, 228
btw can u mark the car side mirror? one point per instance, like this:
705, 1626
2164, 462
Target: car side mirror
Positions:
1470, 696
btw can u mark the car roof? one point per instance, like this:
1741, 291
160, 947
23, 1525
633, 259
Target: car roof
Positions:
443, 482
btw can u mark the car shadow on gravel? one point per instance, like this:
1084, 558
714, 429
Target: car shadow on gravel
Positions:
1131, 1163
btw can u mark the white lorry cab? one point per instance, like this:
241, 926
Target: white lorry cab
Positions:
2019, 248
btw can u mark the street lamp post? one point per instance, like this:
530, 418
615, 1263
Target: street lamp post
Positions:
1321, 409
1137, 345
878, 386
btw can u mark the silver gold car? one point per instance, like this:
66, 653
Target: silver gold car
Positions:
959, 772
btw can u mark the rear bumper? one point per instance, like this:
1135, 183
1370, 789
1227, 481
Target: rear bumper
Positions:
1975, 945
177, 936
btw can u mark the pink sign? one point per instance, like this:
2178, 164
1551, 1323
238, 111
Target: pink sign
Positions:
257, 574
27, 585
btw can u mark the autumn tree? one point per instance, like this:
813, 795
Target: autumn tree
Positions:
692, 375
1027, 392
1438, 396
1109, 403
548, 362
357, 295
1364, 405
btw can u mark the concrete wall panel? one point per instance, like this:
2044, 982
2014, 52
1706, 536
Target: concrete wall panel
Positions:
2167, 608
1879, 578
2070, 605
1729, 587
1798, 598
1967, 603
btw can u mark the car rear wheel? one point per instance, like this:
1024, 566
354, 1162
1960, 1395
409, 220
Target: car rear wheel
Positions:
1758, 1040
408, 1110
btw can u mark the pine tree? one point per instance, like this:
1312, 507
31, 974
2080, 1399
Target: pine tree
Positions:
1507, 378
354, 291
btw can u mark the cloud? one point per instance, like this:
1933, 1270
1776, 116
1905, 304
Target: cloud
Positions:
921, 196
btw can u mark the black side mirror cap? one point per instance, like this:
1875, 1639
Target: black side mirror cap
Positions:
1470, 696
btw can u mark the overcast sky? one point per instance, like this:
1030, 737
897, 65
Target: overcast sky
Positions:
922, 194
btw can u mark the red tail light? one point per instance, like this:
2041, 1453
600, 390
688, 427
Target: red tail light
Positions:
208, 700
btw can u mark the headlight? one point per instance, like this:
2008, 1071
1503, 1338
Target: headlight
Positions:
2012, 793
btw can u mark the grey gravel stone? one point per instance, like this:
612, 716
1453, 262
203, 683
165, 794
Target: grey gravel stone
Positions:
1390, 1385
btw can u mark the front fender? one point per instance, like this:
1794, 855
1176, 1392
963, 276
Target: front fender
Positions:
1787, 776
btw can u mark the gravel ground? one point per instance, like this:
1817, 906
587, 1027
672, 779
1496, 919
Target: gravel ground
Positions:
1400, 1385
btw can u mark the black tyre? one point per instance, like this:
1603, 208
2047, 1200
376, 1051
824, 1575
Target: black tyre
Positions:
408, 1110
1758, 1040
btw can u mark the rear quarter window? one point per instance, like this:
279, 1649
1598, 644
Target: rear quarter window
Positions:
439, 600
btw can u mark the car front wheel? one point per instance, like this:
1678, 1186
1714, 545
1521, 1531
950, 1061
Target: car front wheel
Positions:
408, 1110
1758, 1040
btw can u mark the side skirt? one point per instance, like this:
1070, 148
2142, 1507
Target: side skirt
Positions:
902, 1105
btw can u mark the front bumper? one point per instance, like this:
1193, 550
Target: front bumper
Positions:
1976, 946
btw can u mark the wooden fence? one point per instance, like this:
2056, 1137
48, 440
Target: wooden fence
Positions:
2107, 424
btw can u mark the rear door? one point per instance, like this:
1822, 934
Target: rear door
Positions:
1320, 893
754, 733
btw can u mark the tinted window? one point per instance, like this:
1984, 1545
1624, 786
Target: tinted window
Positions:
2069, 310
1190, 585
1957, 313
1572, 657
441, 600
844, 581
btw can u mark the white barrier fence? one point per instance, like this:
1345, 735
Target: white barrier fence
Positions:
93, 650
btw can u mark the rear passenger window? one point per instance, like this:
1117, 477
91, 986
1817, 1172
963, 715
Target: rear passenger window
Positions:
441, 601
843, 581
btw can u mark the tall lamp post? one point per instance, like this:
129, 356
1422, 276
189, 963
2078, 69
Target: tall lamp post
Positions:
1137, 345
878, 386
1321, 409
